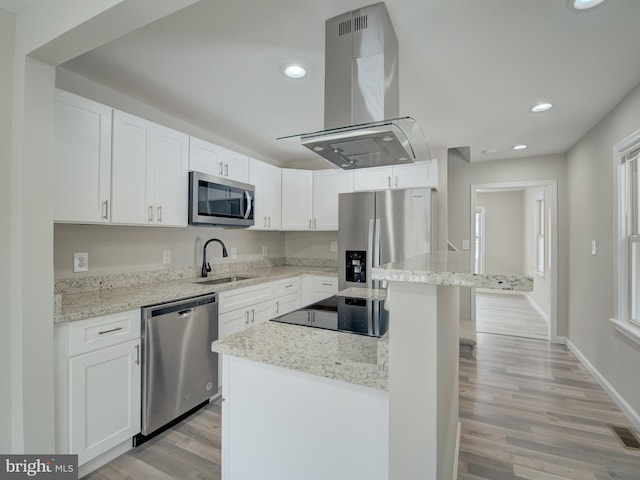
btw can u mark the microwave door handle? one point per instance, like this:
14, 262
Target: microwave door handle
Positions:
248, 198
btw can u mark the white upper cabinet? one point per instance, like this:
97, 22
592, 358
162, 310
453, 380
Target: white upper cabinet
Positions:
268, 202
208, 158
310, 198
149, 173
327, 186
82, 160
297, 199
419, 174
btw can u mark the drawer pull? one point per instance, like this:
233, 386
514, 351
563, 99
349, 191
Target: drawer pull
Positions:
327, 284
289, 286
109, 331
137, 360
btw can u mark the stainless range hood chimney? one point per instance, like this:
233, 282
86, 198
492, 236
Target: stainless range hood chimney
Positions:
361, 96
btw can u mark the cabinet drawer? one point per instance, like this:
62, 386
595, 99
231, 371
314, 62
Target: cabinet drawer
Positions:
99, 332
286, 286
243, 297
325, 284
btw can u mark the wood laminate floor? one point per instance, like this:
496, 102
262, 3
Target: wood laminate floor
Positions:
509, 315
528, 410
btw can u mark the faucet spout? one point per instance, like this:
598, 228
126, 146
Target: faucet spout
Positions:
206, 268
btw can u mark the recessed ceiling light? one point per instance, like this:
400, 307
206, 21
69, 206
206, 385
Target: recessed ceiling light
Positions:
294, 70
541, 107
582, 5
520, 147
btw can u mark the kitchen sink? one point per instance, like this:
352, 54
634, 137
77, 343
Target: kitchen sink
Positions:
218, 281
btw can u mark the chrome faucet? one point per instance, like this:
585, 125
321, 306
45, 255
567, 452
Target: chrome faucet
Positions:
206, 268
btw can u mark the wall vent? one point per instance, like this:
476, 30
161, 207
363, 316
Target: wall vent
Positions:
360, 23
626, 436
344, 28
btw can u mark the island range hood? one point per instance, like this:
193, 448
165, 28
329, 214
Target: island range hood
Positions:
361, 97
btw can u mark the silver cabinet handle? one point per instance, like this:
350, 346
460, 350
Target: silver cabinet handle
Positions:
277, 307
389, 181
150, 213
105, 209
265, 222
327, 284
226, 169
220, 169
396, 182
253, 316
289, 286
159, 213
246, 317
315, 224
309, 224
110, 331
137, 360
269, 222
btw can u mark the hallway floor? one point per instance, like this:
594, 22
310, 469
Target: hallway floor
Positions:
509, 315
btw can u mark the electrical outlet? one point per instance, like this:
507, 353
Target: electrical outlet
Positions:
80, 262
166, 257
334, 246
264, 250
233, 252
465, 244
594, 247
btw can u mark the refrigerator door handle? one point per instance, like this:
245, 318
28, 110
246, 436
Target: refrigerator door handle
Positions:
370, 254
376, 250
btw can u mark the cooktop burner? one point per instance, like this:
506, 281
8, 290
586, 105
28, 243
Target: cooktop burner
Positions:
344, 314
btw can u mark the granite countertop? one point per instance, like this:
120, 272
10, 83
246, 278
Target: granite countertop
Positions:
347, 357
453, 269
87, 304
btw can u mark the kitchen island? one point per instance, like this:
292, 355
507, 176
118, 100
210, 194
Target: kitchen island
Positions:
311, 394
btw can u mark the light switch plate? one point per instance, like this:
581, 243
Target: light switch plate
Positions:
233, 252
166, 257
334, 246
594, 247
465, 244
80, 262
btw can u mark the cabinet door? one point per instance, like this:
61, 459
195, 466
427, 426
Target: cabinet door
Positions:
287, 303
297, 199
234, 165
232, 322
82, 159
204, 157
261, 312
171, 177
104, 406
131, 175
327, 186
372, 179
412, 176
268, 182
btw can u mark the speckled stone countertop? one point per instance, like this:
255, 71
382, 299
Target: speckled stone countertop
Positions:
87, 304
339, 356
453, 269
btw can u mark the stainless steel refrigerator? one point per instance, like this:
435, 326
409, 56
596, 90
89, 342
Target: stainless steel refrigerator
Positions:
379, 227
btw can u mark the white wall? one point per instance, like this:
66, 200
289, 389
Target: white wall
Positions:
504, 225
462, 175
591, 278
7, 367
310, 245
116, 249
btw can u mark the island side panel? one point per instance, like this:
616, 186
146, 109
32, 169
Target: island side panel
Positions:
423, 381
278, 423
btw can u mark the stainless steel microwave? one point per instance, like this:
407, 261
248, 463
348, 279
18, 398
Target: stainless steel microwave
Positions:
218, 201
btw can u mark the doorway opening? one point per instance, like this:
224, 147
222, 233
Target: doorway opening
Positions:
515, 225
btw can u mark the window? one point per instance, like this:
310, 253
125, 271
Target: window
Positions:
540, 220
479, 240
627, 164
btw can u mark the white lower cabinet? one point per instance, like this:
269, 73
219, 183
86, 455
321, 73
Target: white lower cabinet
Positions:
286, 295
318, 287
98, 377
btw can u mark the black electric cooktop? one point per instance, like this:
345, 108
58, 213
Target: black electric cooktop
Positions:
343, 314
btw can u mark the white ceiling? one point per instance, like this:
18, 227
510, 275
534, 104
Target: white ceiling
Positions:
15, 6
469, 70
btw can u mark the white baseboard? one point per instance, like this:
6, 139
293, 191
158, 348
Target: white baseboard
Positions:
536, 307
457, 453
631, 414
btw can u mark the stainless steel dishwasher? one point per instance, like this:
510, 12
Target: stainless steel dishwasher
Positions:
180, 372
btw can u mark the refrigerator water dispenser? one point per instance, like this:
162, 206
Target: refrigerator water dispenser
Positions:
356, 266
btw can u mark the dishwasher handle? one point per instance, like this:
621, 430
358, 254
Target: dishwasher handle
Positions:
183, 308
186, 313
